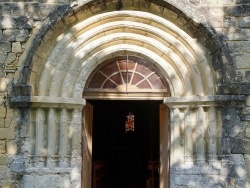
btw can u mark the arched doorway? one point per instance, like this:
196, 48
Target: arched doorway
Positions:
131, 159
59, 67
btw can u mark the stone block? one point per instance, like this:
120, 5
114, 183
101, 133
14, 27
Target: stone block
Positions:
11, 147
242, 60
244, 22
241, 1
10, 58
196, 181
2, 159
2, 112
21, 90
17, 47
4, 172
10, 35
216, 22
248, 131
6, 184
3, 56
7, 133
2, 146
5, 47
1, 122
70, 19
21, 22
23, 35
247, 159
30, 181
248, 100
11, 10
234, 11
246, 10
238, 34
230, 22
240, 146
239, 46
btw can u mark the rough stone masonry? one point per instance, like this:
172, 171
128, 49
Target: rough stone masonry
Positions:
207, 66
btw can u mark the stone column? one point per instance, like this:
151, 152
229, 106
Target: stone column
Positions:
63, 139
39, 149
212, 135
76, 138
190, 131
201, 120
177, 122
52, 118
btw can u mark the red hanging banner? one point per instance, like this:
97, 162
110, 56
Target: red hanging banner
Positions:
129, 124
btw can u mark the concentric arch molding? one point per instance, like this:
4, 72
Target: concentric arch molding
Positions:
63, 70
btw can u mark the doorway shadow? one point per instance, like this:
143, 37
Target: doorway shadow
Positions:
124, 156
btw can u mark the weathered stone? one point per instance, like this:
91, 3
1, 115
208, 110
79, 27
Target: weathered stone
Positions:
3, 159
210, 24
240, 146
11, 147
238, 34
21, 22
3, 84
11, 10
10, 58
237, 177
244, 22
2, 146
16, 47
248, 131
230, 22
4, 172
10, 35
233, 11
242, 60
236, 46
5, 47
241, 1
23, 35
18, 164
46, 181
247, 159
6, 184
7, 133
3, 56
38, 11
246, 10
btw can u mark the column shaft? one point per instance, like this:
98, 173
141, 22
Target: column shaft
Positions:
63, 139
40, 126
51, 138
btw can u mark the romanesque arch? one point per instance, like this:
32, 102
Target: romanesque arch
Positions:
79, 39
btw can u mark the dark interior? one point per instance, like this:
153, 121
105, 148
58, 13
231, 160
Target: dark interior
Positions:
126, 154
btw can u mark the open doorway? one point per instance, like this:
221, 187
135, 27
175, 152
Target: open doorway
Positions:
124, 156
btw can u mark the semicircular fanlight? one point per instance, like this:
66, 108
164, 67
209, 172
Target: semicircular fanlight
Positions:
126, 74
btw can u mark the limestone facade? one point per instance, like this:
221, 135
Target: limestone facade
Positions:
49, 49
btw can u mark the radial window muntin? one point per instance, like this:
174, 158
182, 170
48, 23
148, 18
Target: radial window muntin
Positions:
126, 74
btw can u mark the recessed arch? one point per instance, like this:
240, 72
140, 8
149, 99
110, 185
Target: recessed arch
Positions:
64, 54
175, 52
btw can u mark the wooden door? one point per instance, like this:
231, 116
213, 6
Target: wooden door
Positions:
87, 146
164, 146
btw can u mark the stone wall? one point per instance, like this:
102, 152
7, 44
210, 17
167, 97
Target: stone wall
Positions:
19, 21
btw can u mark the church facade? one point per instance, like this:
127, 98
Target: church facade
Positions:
188, 60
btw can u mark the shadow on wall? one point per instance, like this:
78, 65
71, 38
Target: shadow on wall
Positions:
17, 23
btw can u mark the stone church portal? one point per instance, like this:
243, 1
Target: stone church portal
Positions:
185, 62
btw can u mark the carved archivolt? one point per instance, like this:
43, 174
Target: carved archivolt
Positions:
103, 52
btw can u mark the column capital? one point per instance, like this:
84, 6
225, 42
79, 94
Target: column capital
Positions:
207, 100
49, 102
